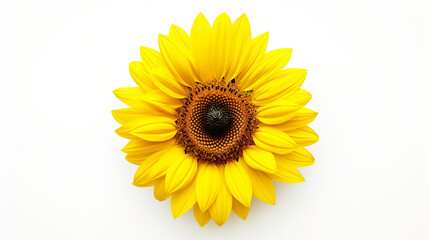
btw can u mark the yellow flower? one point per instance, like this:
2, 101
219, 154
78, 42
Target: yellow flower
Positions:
215, 119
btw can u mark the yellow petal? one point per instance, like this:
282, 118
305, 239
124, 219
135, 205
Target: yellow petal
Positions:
159, 190
140, 70
300, 97
202, 217
141, 146
303, 117
304, 136
152, 168
272, 63
262, 186
273, 140
151, 58
138, 149
286, 172
125, 115
221, 46
131, 96
208, 185
136, 158
221, 208
166, 83
277, 59
183, 200
238, 182
279, 85
301, 157
242, 38
242, 28
146, 110
178, 58
181, 172
156, 129
200, 38
161, 101
239, 209
141, 76
148, 184
254, 56
259, 159
129, 126
277, 112
179, 35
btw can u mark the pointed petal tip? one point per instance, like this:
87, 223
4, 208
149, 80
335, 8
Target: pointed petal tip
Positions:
223, 16
117, 132
135, 184
219, 224
202, 217
175, 213
202, 224
162, 37
200, 17
301, 180
124, 149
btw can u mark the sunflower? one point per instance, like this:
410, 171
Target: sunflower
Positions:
215, 119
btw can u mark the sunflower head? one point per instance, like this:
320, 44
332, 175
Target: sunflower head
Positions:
215, 119
216, 122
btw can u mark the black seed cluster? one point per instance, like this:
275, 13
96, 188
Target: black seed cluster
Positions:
217, 119
216, 122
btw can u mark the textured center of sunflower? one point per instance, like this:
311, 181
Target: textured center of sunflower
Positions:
216, 122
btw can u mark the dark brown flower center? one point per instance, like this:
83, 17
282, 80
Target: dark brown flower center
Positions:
216, 122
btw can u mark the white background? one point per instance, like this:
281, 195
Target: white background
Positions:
63, 176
